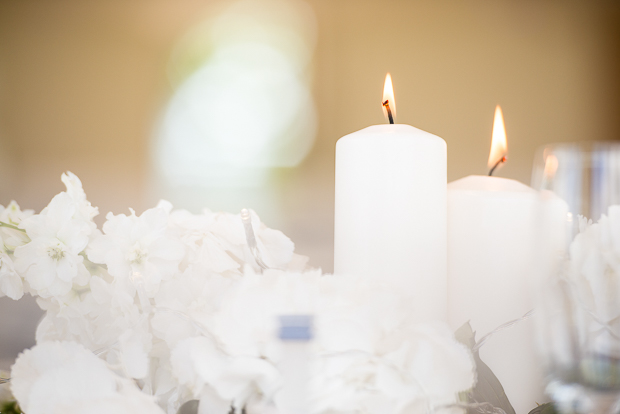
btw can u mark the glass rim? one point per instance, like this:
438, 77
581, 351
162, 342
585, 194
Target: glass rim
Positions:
587, 149
581, 145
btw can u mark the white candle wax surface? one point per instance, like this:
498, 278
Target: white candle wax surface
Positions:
491, 257
390, 213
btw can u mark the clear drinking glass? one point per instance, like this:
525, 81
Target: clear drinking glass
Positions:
579, 298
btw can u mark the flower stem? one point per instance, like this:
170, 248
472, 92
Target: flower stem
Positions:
3, 224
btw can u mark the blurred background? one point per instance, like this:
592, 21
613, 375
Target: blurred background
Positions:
239, 103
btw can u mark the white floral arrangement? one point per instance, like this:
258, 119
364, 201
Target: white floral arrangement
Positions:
165, 307
594, 267
580, 324
592, 275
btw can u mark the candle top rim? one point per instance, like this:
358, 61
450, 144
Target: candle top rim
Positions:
384, 130
394, 128
490, 184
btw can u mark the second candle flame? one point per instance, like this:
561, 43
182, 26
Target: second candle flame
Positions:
389, 106
499, 145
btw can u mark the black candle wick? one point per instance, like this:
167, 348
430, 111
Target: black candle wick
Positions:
501, 160
389, 111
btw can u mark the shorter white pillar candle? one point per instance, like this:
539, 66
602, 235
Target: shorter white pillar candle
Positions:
491, 241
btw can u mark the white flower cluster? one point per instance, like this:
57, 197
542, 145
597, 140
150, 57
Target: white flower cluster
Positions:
170, 306
594, 275
65, 377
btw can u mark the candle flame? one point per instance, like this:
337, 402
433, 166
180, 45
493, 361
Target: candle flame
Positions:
499, 146
388, 95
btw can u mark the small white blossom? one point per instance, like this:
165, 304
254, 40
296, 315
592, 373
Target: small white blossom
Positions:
59, 377
52, 260
206, 250
96, 318
138, 244
11, 284
199, 364
11, 238
84, 210
37, 372
134, 352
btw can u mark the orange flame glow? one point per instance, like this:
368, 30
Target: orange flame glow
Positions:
551, 166
388, 95
499, 145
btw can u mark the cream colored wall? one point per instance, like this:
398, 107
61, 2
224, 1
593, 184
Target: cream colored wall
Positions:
553, 66
82, 84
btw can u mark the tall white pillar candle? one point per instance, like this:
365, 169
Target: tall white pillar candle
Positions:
390, 213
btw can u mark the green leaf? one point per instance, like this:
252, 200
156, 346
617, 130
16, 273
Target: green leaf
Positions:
466, 335
547, 408
488, 389
10, 226
10, 407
